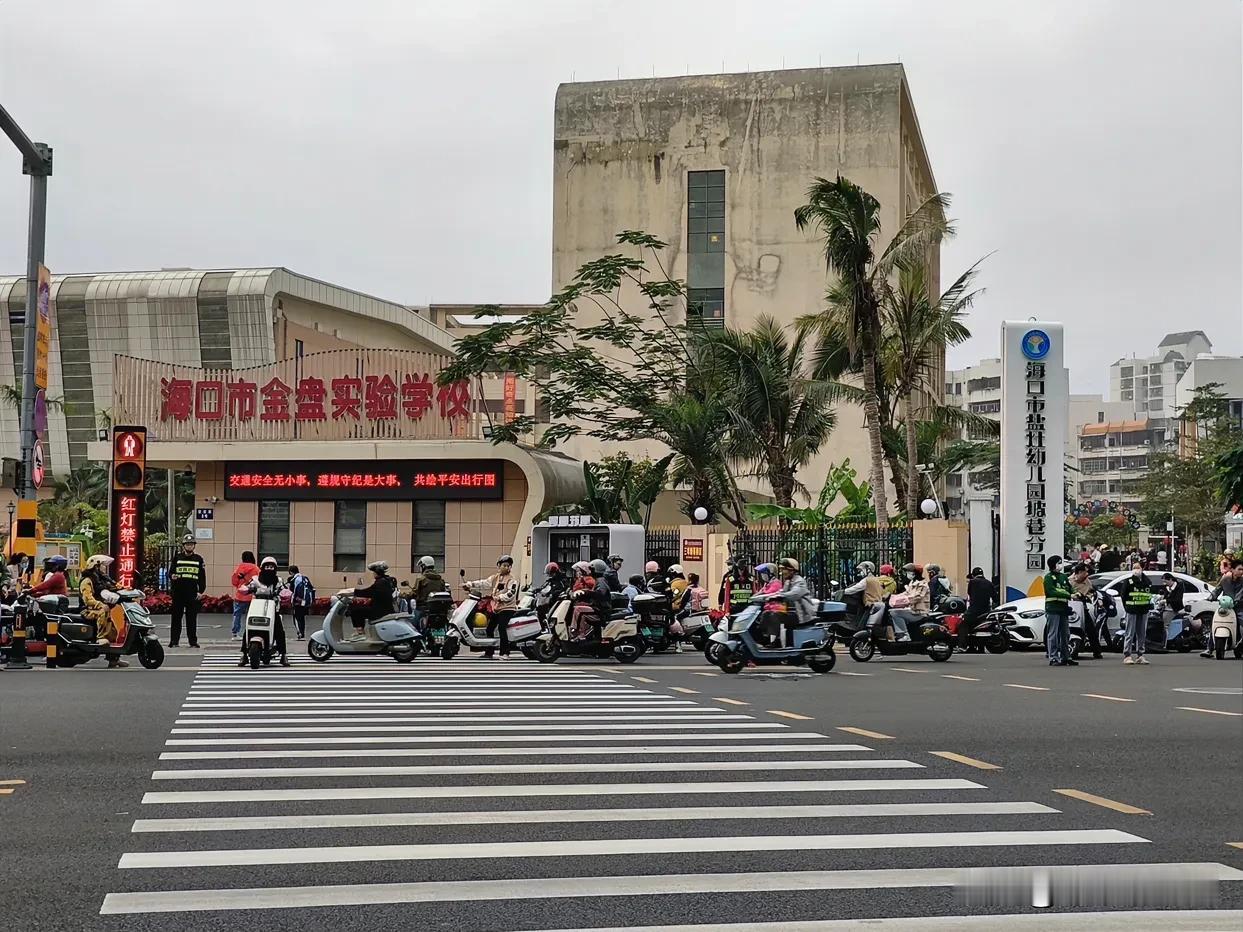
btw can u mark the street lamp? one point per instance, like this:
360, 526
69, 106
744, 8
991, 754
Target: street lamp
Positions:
928, 507
8, 535
701, 514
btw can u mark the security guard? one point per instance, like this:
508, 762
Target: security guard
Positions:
187, 582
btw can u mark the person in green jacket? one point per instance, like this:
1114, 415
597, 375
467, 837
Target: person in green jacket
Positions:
1057, 614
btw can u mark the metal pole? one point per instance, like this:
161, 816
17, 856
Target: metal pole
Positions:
172, 506
34, 258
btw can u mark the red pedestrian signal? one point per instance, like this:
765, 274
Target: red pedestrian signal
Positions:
129, 458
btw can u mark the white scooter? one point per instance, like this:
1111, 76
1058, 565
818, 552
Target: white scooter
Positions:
394, 634
259, 631
1225, 630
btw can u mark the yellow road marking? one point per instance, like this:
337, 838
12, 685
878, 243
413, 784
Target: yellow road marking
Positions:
1110, 698
642, 679
1041, 689
683, 689
966, 679
793, 715
1191, 708
702, 673
12, 782
730, 701
1102, 801
8, 792
961, 759
864, 733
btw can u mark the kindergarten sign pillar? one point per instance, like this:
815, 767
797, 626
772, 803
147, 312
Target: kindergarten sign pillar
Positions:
1035, 396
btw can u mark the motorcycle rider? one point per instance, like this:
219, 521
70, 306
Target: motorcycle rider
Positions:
268, 578
1231, 585
679, 589
737, 586
383, 594
1084, 593
98, 593
866, 591
612, 575
796, 592
53, 581
654, 578
981, 596
428, 581
603, 594
1136, 597
502, 590
916, 589
938, 586
187, 583
888, 581
582, 591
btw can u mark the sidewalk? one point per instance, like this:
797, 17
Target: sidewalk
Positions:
214, 630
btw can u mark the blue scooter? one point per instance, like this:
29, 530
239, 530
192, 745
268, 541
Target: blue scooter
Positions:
736, 645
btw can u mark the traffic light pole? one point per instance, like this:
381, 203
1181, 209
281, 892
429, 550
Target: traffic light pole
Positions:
37, 163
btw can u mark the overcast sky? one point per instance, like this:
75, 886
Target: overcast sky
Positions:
403, 148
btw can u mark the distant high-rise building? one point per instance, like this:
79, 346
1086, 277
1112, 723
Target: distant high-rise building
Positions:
1149, 382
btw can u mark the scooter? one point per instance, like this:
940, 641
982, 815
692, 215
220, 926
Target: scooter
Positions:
394, 634
810, 643
1186, 632
1226, 630
912, 634
618, 636
259, 629
526, 625
655, 620
76, 638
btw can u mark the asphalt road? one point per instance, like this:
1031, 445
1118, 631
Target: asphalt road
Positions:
521, 798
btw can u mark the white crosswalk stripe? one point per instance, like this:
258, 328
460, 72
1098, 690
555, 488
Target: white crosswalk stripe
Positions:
488, 783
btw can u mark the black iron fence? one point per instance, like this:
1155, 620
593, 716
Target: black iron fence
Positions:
826, 553
664, 545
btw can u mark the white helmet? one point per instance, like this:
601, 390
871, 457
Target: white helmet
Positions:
99, 559
866, 568
676, 570
268, 561
426, 563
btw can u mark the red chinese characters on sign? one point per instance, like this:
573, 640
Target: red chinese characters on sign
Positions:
433, 480
128, 538
358, 480
268, 480
352, 398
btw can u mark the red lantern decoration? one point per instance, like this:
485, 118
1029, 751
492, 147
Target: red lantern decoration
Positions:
1119, 521
1084, 521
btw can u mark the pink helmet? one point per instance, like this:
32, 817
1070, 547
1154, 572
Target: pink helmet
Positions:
651, 567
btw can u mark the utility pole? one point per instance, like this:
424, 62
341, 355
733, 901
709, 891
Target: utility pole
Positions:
37, 163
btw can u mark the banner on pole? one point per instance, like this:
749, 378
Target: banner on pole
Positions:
43, 326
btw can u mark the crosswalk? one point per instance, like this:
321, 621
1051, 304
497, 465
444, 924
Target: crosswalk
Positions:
488, 796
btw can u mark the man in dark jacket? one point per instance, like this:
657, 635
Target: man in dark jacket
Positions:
612, 576
981, 597
1111, 560
382, 593
187, 577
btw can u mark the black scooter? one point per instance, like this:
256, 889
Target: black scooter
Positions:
912, 634
76, 637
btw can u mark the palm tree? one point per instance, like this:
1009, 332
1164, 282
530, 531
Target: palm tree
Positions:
695, 426
87, 484
780, 415
848, 218
916, 328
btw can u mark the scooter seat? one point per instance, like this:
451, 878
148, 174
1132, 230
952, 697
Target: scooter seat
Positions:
394, 616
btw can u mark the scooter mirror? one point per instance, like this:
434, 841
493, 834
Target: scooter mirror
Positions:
462, 573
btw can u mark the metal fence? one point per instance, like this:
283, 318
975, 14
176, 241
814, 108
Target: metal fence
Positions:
827, 553
664, 545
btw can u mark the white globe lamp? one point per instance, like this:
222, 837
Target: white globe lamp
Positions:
928, 507
701, 513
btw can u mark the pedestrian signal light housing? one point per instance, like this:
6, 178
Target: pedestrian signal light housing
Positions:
129, 458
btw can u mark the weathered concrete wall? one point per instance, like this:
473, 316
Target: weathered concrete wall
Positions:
622, 150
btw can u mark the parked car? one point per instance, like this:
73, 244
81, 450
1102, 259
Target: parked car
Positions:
1027, 621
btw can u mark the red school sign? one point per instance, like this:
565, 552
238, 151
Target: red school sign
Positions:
311, 399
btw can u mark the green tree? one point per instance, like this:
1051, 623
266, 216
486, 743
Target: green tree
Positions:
1229, 468
1102, 530
852, 498
87, 484
848, 219
620, 489
625, 377
780, 416
1188, 486
916, 328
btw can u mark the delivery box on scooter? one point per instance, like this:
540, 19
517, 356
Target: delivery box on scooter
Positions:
522, 627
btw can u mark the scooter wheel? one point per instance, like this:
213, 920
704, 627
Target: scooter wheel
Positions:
449, 650
151, 655
256, 656
822, 662
547, 652
732, 663
403, 653
997, 645
712, 653
941, 651
628, 651
318, 652
862, 651
529, 651
1220, 648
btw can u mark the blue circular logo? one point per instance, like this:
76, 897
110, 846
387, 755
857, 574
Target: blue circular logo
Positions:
1036, 344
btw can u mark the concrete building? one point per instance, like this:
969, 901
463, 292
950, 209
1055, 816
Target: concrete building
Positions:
306, 412
1226, 372
1114, 457
715, 166
1150, 381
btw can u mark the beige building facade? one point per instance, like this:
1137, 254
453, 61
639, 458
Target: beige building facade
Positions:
715, 166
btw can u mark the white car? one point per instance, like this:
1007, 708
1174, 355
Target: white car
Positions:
1026, 616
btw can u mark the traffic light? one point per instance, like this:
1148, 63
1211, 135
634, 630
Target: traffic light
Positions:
129, 458
129, 479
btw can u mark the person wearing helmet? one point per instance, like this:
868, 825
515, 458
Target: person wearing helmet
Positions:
938, 585
427, 582
97, 590
888, 580
54, 581
583, 593
866, 591
679, 589
795, 591
612, 574
602, 596
556, 581
268, 579
187, 581
916, 589
1230, 587
501, 589
382, 594
736, 586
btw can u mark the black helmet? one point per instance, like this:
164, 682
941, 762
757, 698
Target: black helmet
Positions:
505, 558
379, 567
56, 563
599, 567
616, 558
